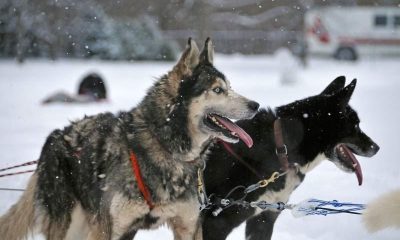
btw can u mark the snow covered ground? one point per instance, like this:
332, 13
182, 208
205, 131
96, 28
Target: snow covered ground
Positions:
25, 123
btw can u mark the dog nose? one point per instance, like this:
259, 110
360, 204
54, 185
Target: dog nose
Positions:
375, 147
372, 150
253, 105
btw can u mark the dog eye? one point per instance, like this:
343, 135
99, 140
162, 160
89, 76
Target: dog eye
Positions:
218, 90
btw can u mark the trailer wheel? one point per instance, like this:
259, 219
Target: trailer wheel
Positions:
346, 53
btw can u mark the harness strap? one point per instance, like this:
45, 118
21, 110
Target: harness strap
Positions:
281, 149
16, 173
229, 149
142, 186
201, 191
19, 165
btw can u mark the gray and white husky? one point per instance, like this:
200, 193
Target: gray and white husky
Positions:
85, 186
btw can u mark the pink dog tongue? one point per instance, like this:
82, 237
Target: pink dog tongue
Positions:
238, 130
356, 164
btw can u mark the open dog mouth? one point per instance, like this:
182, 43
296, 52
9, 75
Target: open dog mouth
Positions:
228, 128
349, 161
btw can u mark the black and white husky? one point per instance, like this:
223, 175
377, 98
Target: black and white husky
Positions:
316, 128
106, 176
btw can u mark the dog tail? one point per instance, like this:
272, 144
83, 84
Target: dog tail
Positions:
383, 212
20, 218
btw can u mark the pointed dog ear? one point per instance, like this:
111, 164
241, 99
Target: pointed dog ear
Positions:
207, 55
342, 97
184, 67
189, 59
334, 86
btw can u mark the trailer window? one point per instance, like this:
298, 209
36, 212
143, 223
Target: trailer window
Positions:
380, 20
396, 21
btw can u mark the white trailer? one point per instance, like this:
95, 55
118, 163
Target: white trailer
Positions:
351, 32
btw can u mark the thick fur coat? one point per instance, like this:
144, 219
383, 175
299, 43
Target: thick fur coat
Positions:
84, 186
314, 129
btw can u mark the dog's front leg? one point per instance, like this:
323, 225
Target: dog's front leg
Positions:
124, 213
199, 231
97, 232
261, 226
184, 228
185, 224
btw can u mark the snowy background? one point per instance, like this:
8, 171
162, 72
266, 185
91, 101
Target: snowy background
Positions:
25, 123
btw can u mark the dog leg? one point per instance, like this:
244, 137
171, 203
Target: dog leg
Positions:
20, 219
260, 227
79, 227
96, 233
129, 235
186, 223
55, 230
216, 228
125, 213
100, 228
199, 231
184, 228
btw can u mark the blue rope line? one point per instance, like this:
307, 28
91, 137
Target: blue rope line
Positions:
320, 207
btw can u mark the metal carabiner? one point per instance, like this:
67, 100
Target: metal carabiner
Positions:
265, 182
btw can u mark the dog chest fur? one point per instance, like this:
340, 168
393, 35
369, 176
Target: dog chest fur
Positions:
128, 213
292, 180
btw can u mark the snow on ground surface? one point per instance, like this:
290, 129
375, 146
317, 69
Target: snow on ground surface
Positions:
25, 123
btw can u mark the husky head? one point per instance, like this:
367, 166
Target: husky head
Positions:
212, 102
331, 127
194, 103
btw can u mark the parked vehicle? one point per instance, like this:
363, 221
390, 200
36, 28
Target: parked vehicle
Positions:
347, 33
